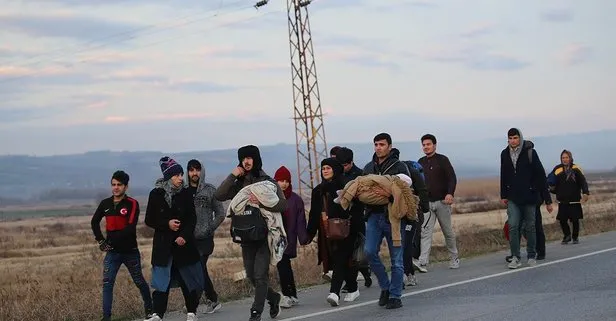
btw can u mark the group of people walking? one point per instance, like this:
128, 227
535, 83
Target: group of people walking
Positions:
349, 230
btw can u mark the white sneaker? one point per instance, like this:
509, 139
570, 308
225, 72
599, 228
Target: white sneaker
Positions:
154, 317
332, 299
211, 307
423, 268
328, 276
410, 280
455, 263
515, 263
191, 317
294, 300
351, 296
532, 262
286, 302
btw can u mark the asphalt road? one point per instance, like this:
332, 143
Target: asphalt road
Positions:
575, 282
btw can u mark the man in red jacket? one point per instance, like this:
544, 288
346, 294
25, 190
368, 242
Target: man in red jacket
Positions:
121, 214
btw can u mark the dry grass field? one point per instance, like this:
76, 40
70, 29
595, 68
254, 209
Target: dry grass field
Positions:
52, 269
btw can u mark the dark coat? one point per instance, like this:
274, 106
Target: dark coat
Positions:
569, 192
526, 183
294, 220
157, 216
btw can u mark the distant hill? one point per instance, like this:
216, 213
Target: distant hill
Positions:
86, 176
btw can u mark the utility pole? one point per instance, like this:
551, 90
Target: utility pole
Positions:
311, 145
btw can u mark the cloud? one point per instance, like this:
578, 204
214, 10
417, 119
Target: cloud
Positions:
479, 30
22, 113
417, 4
142, 76
557, 15
473, 56
63, 25
574, 54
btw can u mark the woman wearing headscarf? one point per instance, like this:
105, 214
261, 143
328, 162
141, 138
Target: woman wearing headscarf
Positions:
175, 257
334, 254
569, 184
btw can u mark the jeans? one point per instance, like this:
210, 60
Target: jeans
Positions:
515, 214
161, 298
256, 259
111, 266
287, 280
377, 228
206, 248
441, 212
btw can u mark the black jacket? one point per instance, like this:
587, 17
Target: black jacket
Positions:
120, 223
157, 216
526, 183
440, 176
419, 189
569, 190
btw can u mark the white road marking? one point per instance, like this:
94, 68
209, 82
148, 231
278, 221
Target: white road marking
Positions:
444, 286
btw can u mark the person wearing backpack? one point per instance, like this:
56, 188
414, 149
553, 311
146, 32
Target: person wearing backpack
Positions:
441, 183
256, 256
522, 183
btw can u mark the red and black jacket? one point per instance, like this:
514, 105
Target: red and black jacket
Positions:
121, 223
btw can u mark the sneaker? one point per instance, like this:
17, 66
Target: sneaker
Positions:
566, 240
455, 263
333, 299
515, 263
327, 276
394, 304
384, 298
154, 317
254, 316
351, 296
508, 258
191, 317
423, 268
532, 262
368, 282
576, 241
211, 307
410, 280
286, 302
275, 306
294, 300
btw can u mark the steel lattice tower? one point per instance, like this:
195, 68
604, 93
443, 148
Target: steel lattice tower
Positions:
309, 127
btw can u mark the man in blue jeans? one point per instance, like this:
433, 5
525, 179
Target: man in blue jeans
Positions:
384, 162
121, 214
522, 183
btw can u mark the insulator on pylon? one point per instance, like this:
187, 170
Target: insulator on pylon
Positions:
305, 3
261, 3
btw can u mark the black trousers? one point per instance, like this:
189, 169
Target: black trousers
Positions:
285, 274
160, 299
409, 246
206, 247
256, 259
341, 253
564, 225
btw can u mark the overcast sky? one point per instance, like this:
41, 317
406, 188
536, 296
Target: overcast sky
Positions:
79, 75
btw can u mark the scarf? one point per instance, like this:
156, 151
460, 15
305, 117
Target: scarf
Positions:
169, 189
287, 192
569, 173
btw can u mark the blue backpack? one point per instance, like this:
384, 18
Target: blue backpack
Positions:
417, 167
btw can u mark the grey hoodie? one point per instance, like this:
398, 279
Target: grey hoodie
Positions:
210, 211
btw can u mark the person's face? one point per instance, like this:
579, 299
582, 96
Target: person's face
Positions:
284, 184
327, 171
177, 180
117, 188
514, 141
428, 147
194, 175
247, 164
565, 159
382, 148
347, 167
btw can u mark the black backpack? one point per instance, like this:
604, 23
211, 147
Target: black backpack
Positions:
249, 226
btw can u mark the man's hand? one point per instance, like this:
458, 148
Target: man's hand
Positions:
104, 246
504, 201
174, 225
380, 191
238, 171
180, 241
253, 199
549, 207
584, 198
448, 199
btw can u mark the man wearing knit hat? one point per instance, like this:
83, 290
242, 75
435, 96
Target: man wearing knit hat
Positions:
256, 257
210, 214
523, 184
175, 257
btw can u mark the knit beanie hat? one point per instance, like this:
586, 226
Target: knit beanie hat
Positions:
283, 174
170, 167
